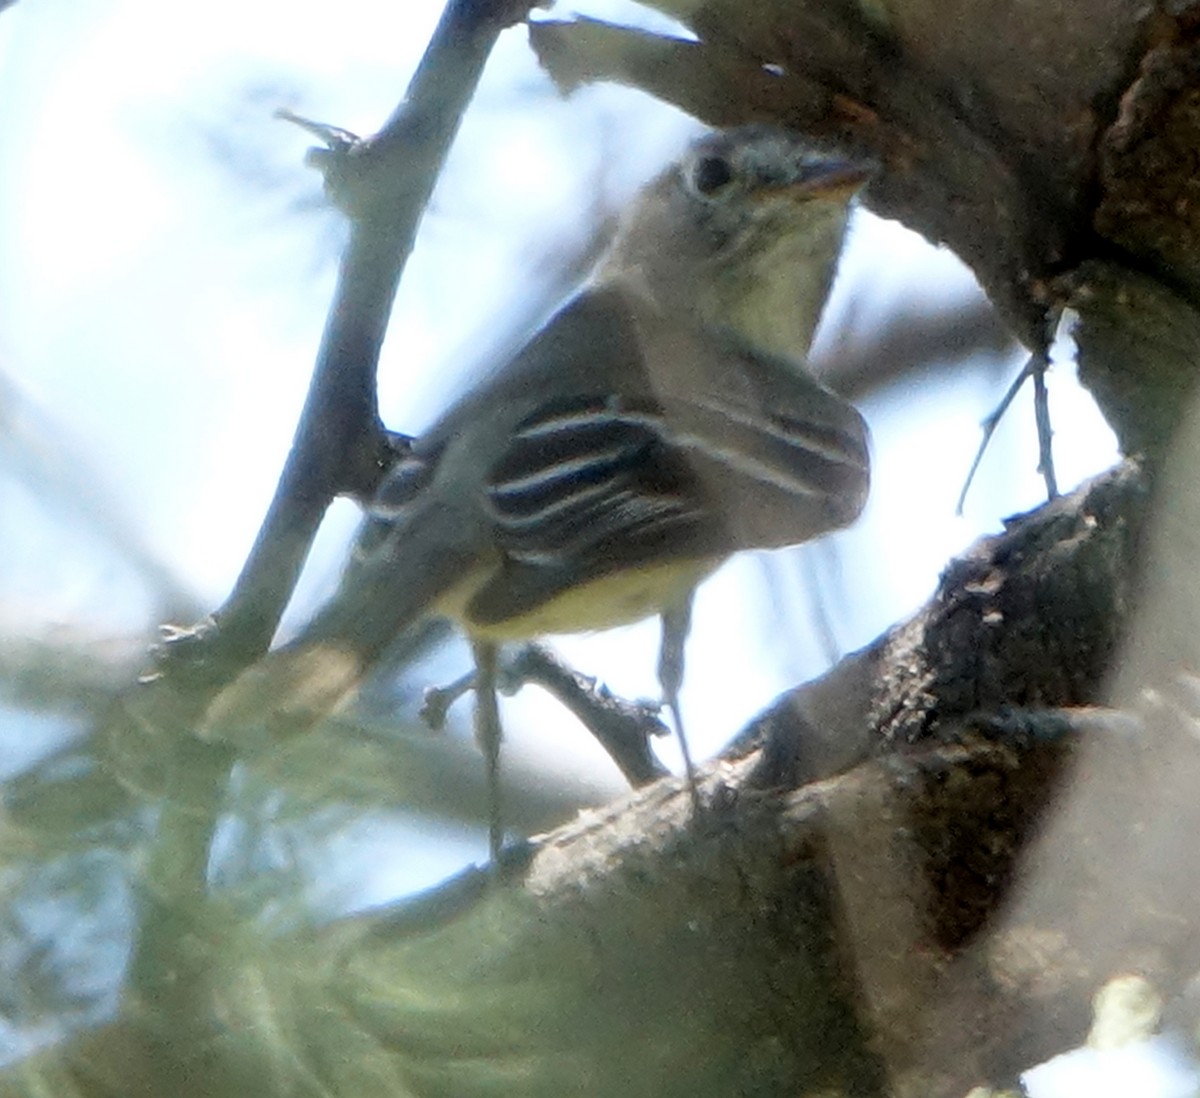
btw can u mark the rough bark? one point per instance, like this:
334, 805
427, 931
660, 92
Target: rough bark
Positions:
1034, 141
858, 933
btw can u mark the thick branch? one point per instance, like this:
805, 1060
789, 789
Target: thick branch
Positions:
1036, 142
841, 934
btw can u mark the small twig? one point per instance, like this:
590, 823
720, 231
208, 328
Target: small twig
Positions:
990, 423
340, 446
1041, 411
623, 728
1035, 367
438, 700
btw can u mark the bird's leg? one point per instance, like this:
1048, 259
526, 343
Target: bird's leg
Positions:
438, 699
623, 728
488, 735
676, 621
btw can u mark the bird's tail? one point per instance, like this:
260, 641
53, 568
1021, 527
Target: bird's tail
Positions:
299, 684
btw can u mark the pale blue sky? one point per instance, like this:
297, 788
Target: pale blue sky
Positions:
168, 267
162, 303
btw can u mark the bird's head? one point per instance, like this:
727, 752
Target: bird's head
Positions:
744, 232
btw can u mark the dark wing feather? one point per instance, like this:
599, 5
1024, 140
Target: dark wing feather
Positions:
623, 440
583, 474
591, 485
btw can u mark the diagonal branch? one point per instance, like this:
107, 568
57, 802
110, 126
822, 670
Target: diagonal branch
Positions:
831, 936
340, 446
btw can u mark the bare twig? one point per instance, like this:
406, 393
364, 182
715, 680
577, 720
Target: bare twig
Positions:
1035, 367
1041, 411
623, 728
340, 446
990, 423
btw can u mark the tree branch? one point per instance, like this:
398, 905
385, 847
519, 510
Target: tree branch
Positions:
1031, 153
839, 932
383, 184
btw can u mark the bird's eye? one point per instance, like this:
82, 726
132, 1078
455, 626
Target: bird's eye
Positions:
711, 174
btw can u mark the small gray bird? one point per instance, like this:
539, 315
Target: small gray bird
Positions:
661, 421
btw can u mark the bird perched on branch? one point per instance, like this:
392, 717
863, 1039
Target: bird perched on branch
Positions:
662, 420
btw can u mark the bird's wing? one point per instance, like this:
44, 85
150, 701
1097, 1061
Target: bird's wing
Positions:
742, 453
782, 458
587, 472
591, 487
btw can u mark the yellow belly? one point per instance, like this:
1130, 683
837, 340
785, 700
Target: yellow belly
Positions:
619, 599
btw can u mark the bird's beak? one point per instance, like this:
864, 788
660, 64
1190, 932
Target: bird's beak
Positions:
837, 177
831, 179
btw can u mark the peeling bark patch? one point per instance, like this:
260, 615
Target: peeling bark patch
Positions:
971, 819
1030, 618
1150, 164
